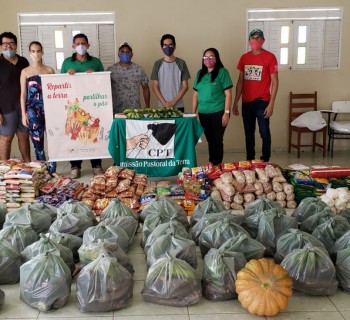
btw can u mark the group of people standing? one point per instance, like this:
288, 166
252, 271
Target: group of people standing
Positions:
22, 110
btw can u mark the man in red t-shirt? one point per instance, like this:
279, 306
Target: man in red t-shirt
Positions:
257, 84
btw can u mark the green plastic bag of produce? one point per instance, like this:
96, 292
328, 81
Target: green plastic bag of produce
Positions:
251, 248
19, 236
51, 210
207, 206
3, 212
128, 224
174, 246
104, 285
45, 244
45, 282
40, 221
331, 230
108, 233
294, 239
259, 205
220, 273
167, 207
214, 235
115, 209
70, 241
2, 298
90, 252
345, 213
154, 219
342, 267
77, 208
311, 222
172, 282
308, 207
70, 223
251, 223
312, 271
273, 224
171, 227
10, 262
212, 217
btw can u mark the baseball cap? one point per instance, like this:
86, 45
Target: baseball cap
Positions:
256, 31
125, 44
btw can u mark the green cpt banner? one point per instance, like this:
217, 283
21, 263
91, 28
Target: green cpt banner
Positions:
158, 148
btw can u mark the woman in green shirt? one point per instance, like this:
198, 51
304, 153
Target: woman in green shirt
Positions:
212, 100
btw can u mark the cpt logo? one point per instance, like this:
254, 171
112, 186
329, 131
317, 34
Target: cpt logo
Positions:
150, 139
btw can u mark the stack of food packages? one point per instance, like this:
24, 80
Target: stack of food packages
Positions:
116, 182
240, 183
20, 182
58, 190
298, 175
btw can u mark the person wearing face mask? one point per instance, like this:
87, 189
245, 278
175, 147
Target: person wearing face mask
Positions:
257, 84
11, 65
126, 79
212, 99
82, 61
32, 108
170, 76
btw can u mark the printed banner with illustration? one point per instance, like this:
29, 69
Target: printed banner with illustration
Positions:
158, 148
78, 114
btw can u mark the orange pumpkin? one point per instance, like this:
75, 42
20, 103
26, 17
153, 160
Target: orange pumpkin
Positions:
263, 287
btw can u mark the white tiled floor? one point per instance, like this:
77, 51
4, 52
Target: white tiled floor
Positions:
335, 307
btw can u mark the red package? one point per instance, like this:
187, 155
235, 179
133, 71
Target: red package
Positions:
243, 165
332, 172
227, 167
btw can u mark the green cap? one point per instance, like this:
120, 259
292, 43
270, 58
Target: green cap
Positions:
256, 31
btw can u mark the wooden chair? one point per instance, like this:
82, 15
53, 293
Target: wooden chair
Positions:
300, 103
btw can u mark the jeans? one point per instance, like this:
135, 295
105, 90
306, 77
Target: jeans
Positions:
252, 111
94, 163
214, 133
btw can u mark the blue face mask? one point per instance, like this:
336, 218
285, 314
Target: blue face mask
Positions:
125, 57
168, 51
9, 53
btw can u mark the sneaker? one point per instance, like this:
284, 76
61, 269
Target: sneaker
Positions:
75, 173
97, 171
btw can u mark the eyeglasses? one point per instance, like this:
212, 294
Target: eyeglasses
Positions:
8, 44
168, 45
208, 57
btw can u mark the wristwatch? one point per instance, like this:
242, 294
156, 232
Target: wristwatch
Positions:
227, 111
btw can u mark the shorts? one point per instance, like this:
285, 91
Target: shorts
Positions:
12, 122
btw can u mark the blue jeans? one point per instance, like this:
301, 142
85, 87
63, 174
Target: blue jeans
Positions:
252, 111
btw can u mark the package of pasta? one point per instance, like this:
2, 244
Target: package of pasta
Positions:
123, 185
132, 202
111, 184
140, 179
113, 172
98, 184
126, 174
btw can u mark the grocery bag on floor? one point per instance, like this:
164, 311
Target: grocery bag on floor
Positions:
208, 218
77, 208
259, 205
209, 205
312, 271
45, 244
10, 262
40, 221
89, 252
2, 298
3, 212
308, 207
117, 208
220, 273
342, 268
45, 282
251, 248
172, 282
51, 210
294, 239
310, 223
171, 227
19, 236
174, 246
104, 285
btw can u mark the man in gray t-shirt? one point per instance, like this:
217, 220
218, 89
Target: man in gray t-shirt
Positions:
126, 79
170, 76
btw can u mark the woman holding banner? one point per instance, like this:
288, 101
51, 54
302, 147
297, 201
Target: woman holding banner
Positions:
33, 115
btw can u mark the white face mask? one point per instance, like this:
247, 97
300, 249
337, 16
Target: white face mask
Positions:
81, 49
36, 56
